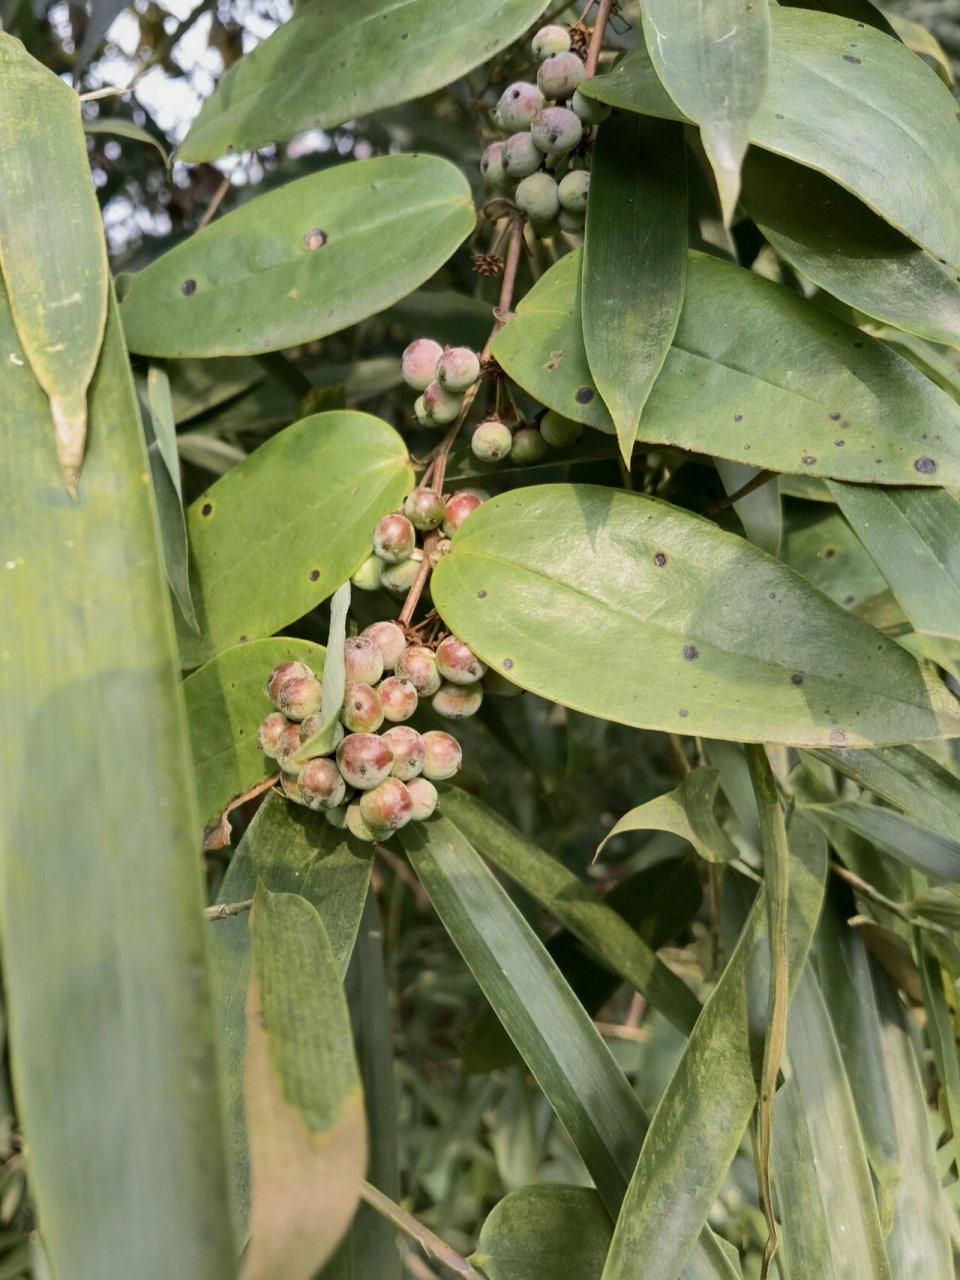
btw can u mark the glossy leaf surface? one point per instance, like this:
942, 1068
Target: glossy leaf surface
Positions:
541, 1232
688, 811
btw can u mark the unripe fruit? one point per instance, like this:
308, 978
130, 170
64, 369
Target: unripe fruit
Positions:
521, 155
362, 659
491, 167
386, 808
367, 577
458, 507
287, 744
269, 732
559, 431
589, 110
457, 662
572, 223
281, 674
556, 130
424, 797
407, 747
299, 697
573, 189
291, 787
398, 698
537, 197
362, 710
418, 665
389, 639
424, 509
399, 578
418, 364
559, 75
550, 40
321, 786
441, 406
458, 369
364, 760
491, 441
518, 105
355, 824
394, 538
495, 683
338, 817
457, 701
313, 724
420, 413
442, 756
528, 446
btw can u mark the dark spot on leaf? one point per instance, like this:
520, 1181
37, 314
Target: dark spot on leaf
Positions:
858, 345
878, 461
926, 466
738, 417
206, 509
683, 712
849, 600
660, 559
838, 738
773, 595
585, 395
848, 57
829, 553
835, 417
507, 664
797, 680
839, 443
315, 239
314, 574
405, 36
808, 459
188, 287
481, 595
243, 640
690, 652
779, 116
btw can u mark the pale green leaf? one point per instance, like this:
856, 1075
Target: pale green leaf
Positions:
541, 1232
687, 811
334, 680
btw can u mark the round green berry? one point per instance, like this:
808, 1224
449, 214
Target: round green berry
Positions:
457, 662
418, 364
362, 659
588, 109
338, 817
288, 743
424, 797
398, 698
458, 369
399, 578
269, 732
537, 197
492, 171
291, 787
457, 701
491, 441
442, 755
528, 446
573, 189
518, 105
559, 75
424, 509
356, 825
556, 130
550, 40
558, 431
521, 155
367, 577
394, 538
572, 223
440, 405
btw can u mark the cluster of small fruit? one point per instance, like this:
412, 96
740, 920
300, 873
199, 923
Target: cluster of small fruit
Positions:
373, 780
397, 559
545, 123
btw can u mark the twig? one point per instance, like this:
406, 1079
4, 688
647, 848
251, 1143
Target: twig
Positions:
757, 482
223, 909
432, 1245
217, 835
215, 203
596, 36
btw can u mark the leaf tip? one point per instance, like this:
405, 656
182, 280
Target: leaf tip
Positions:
70, 435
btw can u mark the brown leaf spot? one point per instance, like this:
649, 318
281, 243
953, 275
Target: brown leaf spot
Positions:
315, 239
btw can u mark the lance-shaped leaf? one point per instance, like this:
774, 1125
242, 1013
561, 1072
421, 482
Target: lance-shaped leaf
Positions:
910, 842
880, 122
712, 58
226, 700
281, 531
820, 544
302, 261
334, 680
634, 262
127, 1164
541, 1232
711, 635
687, 811
757, 374
375, 55
304, 1100
52, 253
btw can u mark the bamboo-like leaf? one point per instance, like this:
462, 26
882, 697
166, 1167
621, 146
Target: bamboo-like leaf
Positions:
634, 262
940, 1029
117, 127
759, 510
334, 679
700, 1120
688, 812
304, 1100
540, 1233
112, 1035
820, 544
910, 842
712, 58
52, 253
592, 921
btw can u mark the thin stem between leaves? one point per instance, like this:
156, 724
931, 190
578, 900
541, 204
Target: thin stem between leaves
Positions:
432, 1245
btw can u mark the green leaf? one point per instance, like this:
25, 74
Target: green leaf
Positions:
712, 58
829, 1222
117, 127
597, 925
634, 262
281, 531
334, 681
919, 40
541, 1232
820, 544
52, 254
126, 1144
757, 374
687, 811
290, 850
699, 1122
304, 260
558, 1041
225, 704
374, 55
758, 511
713, 637
910, 842
879, 121
304, 1100
913, 537
828, 236
940, 1029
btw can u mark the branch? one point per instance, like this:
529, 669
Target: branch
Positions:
432, 1245
223, 909
596, 36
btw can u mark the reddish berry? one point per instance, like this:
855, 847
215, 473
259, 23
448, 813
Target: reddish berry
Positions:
364, 759
458, 701
418, 665
389, 639
398, 698
362, 659
407, 747
458, 507
424, 797
321, 786
269, 732
387, 807
299, 697
362, 710
418, 364
281, 674
394, 538
442, 756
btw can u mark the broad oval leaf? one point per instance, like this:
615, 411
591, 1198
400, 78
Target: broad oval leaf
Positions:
125, 1133
541, 1232
847, 100
712, 59
757, 374
281, 531
52, 253
710, 635
308, 259
225, 704
374, 55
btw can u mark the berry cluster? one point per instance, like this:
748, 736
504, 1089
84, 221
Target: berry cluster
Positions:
396, 560
442, 375
545, 123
